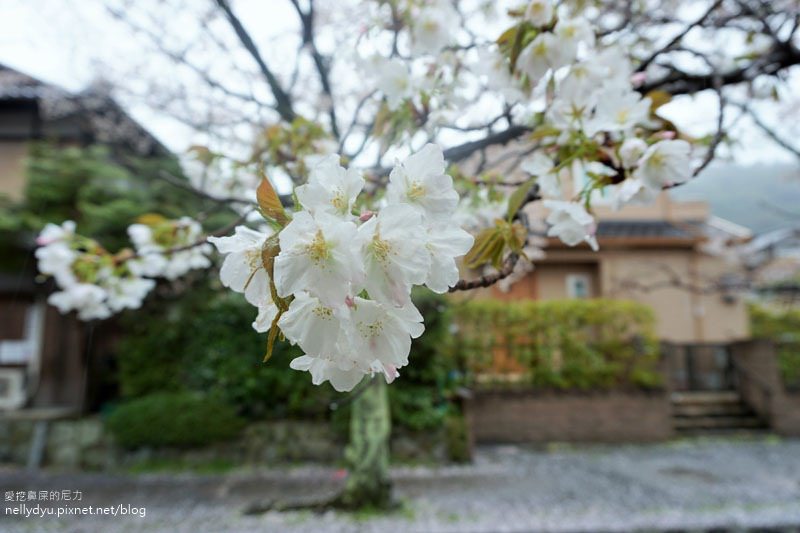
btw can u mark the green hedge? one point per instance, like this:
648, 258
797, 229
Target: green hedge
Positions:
783, 327
203, 342
173, 419
571, 344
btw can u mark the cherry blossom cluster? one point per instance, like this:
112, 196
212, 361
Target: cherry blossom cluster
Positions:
341, 284
97, 284
578, 95
596, 129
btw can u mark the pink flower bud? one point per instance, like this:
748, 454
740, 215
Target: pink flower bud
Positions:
665, 135
638, 78
350, 302
366, 215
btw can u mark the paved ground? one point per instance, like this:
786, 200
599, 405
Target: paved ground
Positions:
686, 485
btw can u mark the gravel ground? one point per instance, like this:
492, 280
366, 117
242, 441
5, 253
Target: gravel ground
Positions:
686, 485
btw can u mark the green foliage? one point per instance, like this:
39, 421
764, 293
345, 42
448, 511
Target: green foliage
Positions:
101, 191
783, 327
420, 397
457, 439
204, 342
173, 419
570, 344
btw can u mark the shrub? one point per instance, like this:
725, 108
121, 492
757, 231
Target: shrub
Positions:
572, 344
457, 439
783, 327
204, 342
173, 419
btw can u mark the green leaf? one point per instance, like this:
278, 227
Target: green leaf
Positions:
544, 131
518, 197
270, 203
488, 247
516, 236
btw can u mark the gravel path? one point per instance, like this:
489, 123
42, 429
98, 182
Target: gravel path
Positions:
685, 485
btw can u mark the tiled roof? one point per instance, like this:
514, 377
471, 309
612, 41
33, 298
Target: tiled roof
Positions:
15, 85
107, 121
661, 229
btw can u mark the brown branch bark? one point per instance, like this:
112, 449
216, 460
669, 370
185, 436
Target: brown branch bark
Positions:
283, 102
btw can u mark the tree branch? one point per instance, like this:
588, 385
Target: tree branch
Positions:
282, 99
321, 63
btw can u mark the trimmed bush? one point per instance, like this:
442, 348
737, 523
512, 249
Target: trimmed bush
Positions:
783, 327
570, 344
173, 420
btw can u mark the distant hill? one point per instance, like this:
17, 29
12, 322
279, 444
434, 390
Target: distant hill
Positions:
760, 197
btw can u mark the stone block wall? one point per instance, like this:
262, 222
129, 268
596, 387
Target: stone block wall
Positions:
763, 389
85, 444
509, 416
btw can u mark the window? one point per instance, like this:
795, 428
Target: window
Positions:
578, 286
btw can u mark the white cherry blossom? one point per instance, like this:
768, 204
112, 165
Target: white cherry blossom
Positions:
542, 167
55, 259
392, 77
539, 56
421, 181
540, 12
243, 268
631, 150
86, 298
312, 325
324, 369
53, 232
393, 248
570, 222
633, 192
665, 163
434, 27
317, 253
383, 332
618, 111
331, 188
445, 243
127, 292
266, 314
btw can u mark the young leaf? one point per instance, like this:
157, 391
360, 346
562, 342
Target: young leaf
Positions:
518, 197
269, 252
657, 99
270, 202
273, 333
151, 219
489, 245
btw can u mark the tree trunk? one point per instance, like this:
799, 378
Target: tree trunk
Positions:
367, 453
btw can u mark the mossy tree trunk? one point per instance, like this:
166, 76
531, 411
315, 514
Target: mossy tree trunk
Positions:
367, 453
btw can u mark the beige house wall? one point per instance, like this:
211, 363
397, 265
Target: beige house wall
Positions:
12, 169
683, 314
694, 311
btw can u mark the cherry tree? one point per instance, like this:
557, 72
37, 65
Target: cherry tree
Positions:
410, 139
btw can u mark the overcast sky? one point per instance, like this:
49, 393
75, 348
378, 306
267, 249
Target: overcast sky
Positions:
67, 43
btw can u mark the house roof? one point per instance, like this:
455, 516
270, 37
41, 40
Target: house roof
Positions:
661, 229
15, 85
101, 119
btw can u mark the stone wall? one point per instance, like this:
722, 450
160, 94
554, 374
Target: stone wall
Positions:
763, 389
84, 444
505, 416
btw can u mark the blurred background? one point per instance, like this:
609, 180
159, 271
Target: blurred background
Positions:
525, 406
